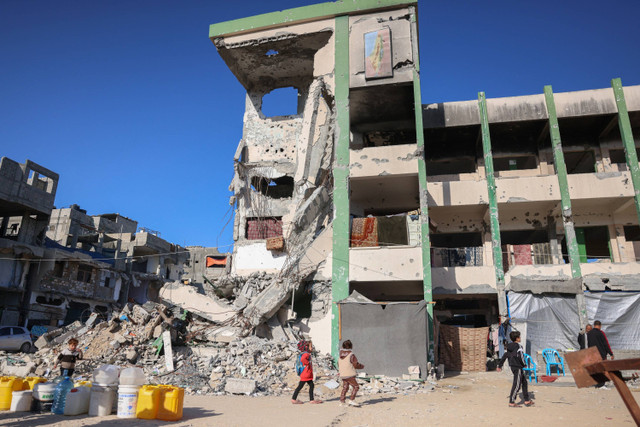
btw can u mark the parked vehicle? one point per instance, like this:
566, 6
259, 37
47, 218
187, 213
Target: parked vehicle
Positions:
15, 338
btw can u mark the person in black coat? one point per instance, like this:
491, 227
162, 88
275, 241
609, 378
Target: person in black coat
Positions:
597, 338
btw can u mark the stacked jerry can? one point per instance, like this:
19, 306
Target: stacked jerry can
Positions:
162, 402
16, 393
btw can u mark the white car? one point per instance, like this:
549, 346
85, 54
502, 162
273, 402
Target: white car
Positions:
15, 338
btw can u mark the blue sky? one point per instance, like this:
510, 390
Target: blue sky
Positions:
130, 103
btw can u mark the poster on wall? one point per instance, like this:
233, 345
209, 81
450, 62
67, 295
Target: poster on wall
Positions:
377, 54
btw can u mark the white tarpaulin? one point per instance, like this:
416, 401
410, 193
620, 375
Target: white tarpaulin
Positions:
552, 319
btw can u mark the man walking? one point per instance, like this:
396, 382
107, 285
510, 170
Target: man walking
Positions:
597, 338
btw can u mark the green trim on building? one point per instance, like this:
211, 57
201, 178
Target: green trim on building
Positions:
296, 15
423, 191
627, 140
340, 262
572, 235
563, 182
494, 223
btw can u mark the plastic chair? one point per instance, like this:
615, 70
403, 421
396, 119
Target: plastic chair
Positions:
531, 367
552, 358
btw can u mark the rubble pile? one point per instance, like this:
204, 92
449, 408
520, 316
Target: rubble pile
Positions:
239, 342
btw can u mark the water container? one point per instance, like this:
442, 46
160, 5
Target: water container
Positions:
21, 400
77, 401
106, 374
127, 401
60, 395
7, 386
171, 403
43, 394
101, 401
148, 402
30, 382
82, 384
132, 376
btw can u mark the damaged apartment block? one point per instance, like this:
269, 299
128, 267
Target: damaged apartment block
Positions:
358, 207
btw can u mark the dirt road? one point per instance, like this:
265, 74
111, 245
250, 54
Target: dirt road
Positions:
476, 399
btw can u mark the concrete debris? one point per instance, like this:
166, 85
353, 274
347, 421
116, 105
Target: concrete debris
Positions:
188, 298
207, 357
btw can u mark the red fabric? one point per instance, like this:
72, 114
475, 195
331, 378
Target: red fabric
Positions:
307, 373
263, 228
364, 232
211, 261
522, 255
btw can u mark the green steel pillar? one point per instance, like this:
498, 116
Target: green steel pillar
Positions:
340, 262
422, 185
494, 223
627, 140
565, 201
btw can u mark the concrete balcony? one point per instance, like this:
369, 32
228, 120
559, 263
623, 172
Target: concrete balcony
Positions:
387, 160
78, 289
464, 280
458, 193
528, 189
378, 264
600, 185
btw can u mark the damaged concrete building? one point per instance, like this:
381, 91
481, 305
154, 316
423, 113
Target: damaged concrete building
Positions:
361, 190
27, 193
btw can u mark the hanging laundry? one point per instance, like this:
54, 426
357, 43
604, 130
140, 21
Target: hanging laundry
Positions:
364, 232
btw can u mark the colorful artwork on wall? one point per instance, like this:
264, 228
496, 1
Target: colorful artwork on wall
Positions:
377, 54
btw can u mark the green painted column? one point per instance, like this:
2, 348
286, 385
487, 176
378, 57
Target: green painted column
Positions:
627, 140
565, 201
494, 222
340, 262
422, 186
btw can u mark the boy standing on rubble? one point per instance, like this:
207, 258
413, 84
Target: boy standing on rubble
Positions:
515, 354
67, 358
306, 376
347, 365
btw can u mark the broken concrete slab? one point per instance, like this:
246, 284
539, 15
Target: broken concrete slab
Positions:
240, 386
268, 302
188, 298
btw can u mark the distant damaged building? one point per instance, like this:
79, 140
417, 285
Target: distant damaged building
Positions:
27, 193
421, 216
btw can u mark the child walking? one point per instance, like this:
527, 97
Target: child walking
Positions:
67, 358
306, 376
515, 354
347, 365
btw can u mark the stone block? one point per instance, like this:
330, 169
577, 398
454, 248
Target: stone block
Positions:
240, 386
131, 356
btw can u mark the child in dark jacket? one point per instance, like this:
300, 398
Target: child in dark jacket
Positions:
515, 354
306, 377
347, 365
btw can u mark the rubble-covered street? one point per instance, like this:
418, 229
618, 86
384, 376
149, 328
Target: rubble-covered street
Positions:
473, 399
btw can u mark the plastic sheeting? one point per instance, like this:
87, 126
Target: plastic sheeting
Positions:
551, 320
387, 338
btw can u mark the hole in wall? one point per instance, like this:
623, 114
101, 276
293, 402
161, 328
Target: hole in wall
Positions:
280, 102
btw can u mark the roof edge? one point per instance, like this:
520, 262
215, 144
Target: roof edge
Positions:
301, 14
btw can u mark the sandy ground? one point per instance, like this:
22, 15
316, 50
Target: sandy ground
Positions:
475, 399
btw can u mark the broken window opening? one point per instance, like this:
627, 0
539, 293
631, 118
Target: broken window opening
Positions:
107, 282
399, 290
216, 261
302, 303
281, 102
375, 231
381, 138
58, 269
84, 273
632, 235
277, 188
580, 161
451, 166
49, 301
263, 228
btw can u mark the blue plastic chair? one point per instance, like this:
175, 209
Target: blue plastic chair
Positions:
552, 358
531, 367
